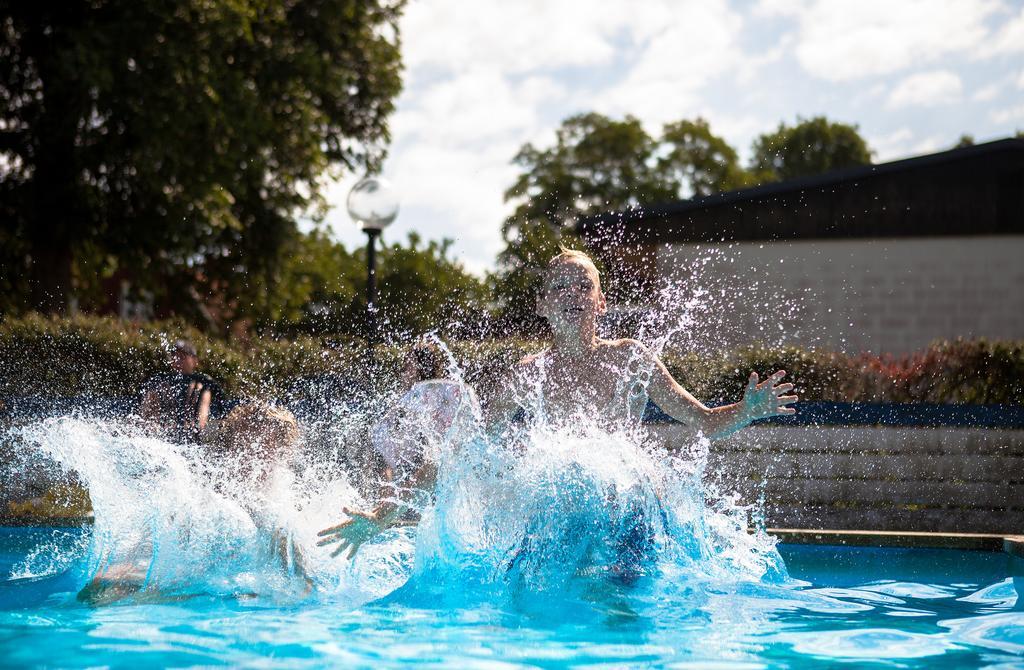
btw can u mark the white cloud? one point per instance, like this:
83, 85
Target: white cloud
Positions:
926, 89
842, 41
1020, 80
927, 146
1009, 38
986, 93
514, 37
893, 145
688, 46
1008, 114
473, 106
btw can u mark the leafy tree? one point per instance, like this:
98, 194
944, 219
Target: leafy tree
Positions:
515, 284
596, 163
316, 276
421, 288
700, 160
810, 147
175, 142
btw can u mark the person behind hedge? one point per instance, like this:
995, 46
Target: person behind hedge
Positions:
408, 439
181, 402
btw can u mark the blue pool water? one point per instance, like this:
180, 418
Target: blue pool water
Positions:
894, 607
558, 546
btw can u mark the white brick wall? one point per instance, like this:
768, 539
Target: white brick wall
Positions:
885, 296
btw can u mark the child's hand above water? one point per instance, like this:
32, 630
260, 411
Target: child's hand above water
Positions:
765, 399
352, 534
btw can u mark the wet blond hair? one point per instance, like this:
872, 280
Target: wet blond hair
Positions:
275, 428
567, 255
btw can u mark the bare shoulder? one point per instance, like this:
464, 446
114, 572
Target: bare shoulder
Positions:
530, 360
626, 346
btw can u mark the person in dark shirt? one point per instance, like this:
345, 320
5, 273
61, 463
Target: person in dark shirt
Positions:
181, 402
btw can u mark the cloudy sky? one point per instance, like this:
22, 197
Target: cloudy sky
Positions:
483, 77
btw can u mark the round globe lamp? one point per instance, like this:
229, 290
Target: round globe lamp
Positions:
373, 205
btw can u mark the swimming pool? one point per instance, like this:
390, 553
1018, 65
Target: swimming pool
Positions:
898, 607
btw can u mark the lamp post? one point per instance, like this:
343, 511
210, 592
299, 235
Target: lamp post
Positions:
373, 205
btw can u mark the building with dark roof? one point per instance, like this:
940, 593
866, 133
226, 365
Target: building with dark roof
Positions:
882, 258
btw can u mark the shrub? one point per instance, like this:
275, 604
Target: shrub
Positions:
88, 356
961, 371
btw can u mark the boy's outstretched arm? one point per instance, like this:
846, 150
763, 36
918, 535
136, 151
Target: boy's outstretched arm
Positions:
361, 527
760, 400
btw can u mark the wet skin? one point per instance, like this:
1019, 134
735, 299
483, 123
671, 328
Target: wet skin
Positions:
583, 373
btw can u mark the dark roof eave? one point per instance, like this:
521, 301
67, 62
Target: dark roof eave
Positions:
795, 185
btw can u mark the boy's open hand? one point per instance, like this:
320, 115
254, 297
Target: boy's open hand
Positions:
766, 399
352, 534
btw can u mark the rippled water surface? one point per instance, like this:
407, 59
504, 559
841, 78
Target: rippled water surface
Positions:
899, 608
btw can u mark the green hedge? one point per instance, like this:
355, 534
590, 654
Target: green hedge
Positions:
102, 356
961, 371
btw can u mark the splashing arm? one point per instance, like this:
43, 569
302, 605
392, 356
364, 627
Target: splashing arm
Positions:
760, 400
361, 527
200, 398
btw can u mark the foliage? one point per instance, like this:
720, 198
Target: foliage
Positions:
515, 286
322, 290
66, 502
86, 356
810, 147
315, 274
597, 163
91, 356
959, 371
965, 140
422, 288
700, 160
173, 144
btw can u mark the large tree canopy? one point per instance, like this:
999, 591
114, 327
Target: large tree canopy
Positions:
702, 162
176, 142
810, 147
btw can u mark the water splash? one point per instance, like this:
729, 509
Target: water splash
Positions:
562, 510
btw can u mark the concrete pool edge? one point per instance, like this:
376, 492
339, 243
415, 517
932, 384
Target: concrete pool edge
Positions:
1011, 544
991, 542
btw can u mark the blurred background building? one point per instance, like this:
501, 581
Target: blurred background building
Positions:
882, 258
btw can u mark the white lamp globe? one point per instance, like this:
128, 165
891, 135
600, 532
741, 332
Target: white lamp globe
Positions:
372, 203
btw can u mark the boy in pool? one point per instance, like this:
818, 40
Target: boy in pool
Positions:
583, 373
243, 460
407, 438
